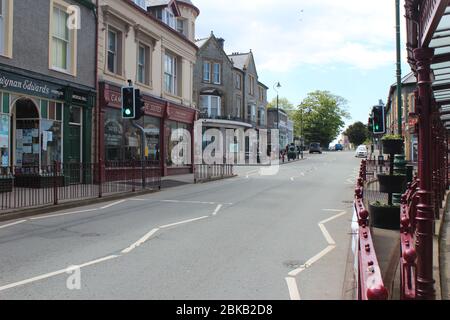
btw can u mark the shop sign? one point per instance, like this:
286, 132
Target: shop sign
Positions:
17, 83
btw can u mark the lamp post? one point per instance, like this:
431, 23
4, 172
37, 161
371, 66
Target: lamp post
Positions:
276, 87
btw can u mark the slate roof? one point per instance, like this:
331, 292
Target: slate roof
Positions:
240, 60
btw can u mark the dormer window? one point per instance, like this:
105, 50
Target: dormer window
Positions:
169, 18
141, 3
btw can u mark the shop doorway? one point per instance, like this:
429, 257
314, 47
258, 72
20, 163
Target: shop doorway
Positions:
74, 156
25, 142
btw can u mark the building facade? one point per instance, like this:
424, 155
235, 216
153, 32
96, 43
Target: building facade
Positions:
408, 106
47, 82
151, 44
279, 121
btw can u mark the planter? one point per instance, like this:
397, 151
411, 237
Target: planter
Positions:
392, 184
392, 146
384, 217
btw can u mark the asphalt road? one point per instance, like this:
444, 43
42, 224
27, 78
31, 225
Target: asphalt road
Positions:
276, 237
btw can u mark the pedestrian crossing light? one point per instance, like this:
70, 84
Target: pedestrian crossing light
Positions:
128, 103
378, 120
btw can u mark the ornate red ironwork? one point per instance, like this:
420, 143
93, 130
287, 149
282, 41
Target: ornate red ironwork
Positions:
370, 282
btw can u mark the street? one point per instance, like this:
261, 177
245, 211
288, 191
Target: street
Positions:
277, 237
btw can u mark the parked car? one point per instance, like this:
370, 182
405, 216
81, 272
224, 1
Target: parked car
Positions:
332, 147
361, 152
315, 148
339, 147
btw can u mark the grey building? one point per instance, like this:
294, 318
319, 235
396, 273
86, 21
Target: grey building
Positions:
283, 126
47, 82
254, 91
218, 86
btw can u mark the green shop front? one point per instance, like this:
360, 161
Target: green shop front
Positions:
45, 125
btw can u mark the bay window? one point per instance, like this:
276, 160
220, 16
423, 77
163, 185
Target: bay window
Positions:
211, 105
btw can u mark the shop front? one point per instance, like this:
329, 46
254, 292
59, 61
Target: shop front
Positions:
42, 123
121, 141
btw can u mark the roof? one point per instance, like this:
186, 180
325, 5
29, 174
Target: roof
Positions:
240, 60
201, 42
410, 78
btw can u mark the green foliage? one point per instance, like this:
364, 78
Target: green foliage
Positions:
357, 133
321, 115
392, 137
283, 103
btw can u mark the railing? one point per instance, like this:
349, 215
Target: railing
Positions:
208, 172
35, 186
407, 251
370, 283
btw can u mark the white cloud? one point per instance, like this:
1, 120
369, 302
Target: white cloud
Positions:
356, 33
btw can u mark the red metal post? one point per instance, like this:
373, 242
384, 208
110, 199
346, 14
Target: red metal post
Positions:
425, 214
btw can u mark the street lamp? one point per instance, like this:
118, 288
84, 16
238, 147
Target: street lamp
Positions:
276, 87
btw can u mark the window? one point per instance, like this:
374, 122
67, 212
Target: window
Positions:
112, 51
261, 94
238, 81
181, 26
141, 3
216, 73
6, 27
61, 40
251, 113
143, 64
262, 117
170, 74
206, 71
252, 85
169, 18
238, 107
210, 104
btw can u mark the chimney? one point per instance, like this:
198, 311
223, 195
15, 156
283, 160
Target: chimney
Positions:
221, 42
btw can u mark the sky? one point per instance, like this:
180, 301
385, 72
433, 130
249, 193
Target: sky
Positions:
346, 47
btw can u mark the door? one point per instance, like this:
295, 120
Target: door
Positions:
74, 154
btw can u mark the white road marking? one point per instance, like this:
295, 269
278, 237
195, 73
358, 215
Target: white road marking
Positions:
342, 213
217, 210
193, 202
64, 214
182, 222
291, 281
293, 289
140, 241
12, 224
292, 179
113, 204
311, 261
53, 274
327, 235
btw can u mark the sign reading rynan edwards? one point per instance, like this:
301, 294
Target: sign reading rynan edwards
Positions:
17, 83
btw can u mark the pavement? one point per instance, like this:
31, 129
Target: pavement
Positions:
267, 237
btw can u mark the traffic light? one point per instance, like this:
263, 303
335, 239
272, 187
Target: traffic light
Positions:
370, 124
128, 103
378, 120
139, 105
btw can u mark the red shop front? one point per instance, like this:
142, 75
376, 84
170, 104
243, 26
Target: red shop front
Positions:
121, 141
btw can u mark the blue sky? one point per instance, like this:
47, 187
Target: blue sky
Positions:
343, 46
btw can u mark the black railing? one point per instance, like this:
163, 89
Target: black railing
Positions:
34, 186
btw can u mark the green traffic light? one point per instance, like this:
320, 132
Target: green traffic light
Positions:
127, 112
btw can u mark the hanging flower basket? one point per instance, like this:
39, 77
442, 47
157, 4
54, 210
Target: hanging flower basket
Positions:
392, 146
392, 184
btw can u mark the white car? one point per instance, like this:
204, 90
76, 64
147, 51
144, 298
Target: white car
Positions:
361, 152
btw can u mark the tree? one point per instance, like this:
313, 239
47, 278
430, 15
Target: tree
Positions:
321, 117
283, 103
357, 133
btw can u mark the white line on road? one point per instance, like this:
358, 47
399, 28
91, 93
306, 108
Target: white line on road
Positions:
113, 204
182, 222
342, 213
293, 289
217, 210
63, 214
331, 210
140, 241
12, 224
311, 261
327, 235
55, 273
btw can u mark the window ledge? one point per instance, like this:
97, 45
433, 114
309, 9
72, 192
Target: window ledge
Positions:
114, 75
63, 71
